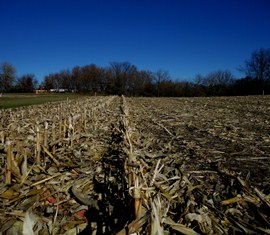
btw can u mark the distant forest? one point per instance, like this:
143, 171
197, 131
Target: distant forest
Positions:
125, 78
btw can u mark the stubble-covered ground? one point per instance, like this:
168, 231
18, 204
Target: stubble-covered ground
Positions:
120, 165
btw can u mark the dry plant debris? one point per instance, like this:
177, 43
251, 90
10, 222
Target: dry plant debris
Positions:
118, 165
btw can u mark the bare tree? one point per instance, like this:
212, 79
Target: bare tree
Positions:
122, 73
7, 76
90, 78
199, 79
141, 83
258, 66
217, 78
160, 77
76, 78
27, 83
65, 79
52, 81
214, 83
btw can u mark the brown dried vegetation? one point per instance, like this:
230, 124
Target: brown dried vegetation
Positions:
117, 165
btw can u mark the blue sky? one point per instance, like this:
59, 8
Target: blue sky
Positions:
184, 37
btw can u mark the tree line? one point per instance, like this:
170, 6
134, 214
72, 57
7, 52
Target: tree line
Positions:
10, 83
125, 78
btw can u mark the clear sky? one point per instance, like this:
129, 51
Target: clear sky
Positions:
184, 37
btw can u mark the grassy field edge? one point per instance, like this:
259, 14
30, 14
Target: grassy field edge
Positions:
17, 100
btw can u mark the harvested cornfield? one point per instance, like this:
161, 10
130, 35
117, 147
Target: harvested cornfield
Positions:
119, 165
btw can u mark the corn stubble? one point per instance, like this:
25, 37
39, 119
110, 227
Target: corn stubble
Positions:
117, 165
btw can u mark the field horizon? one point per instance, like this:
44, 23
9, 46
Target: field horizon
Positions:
16, 100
